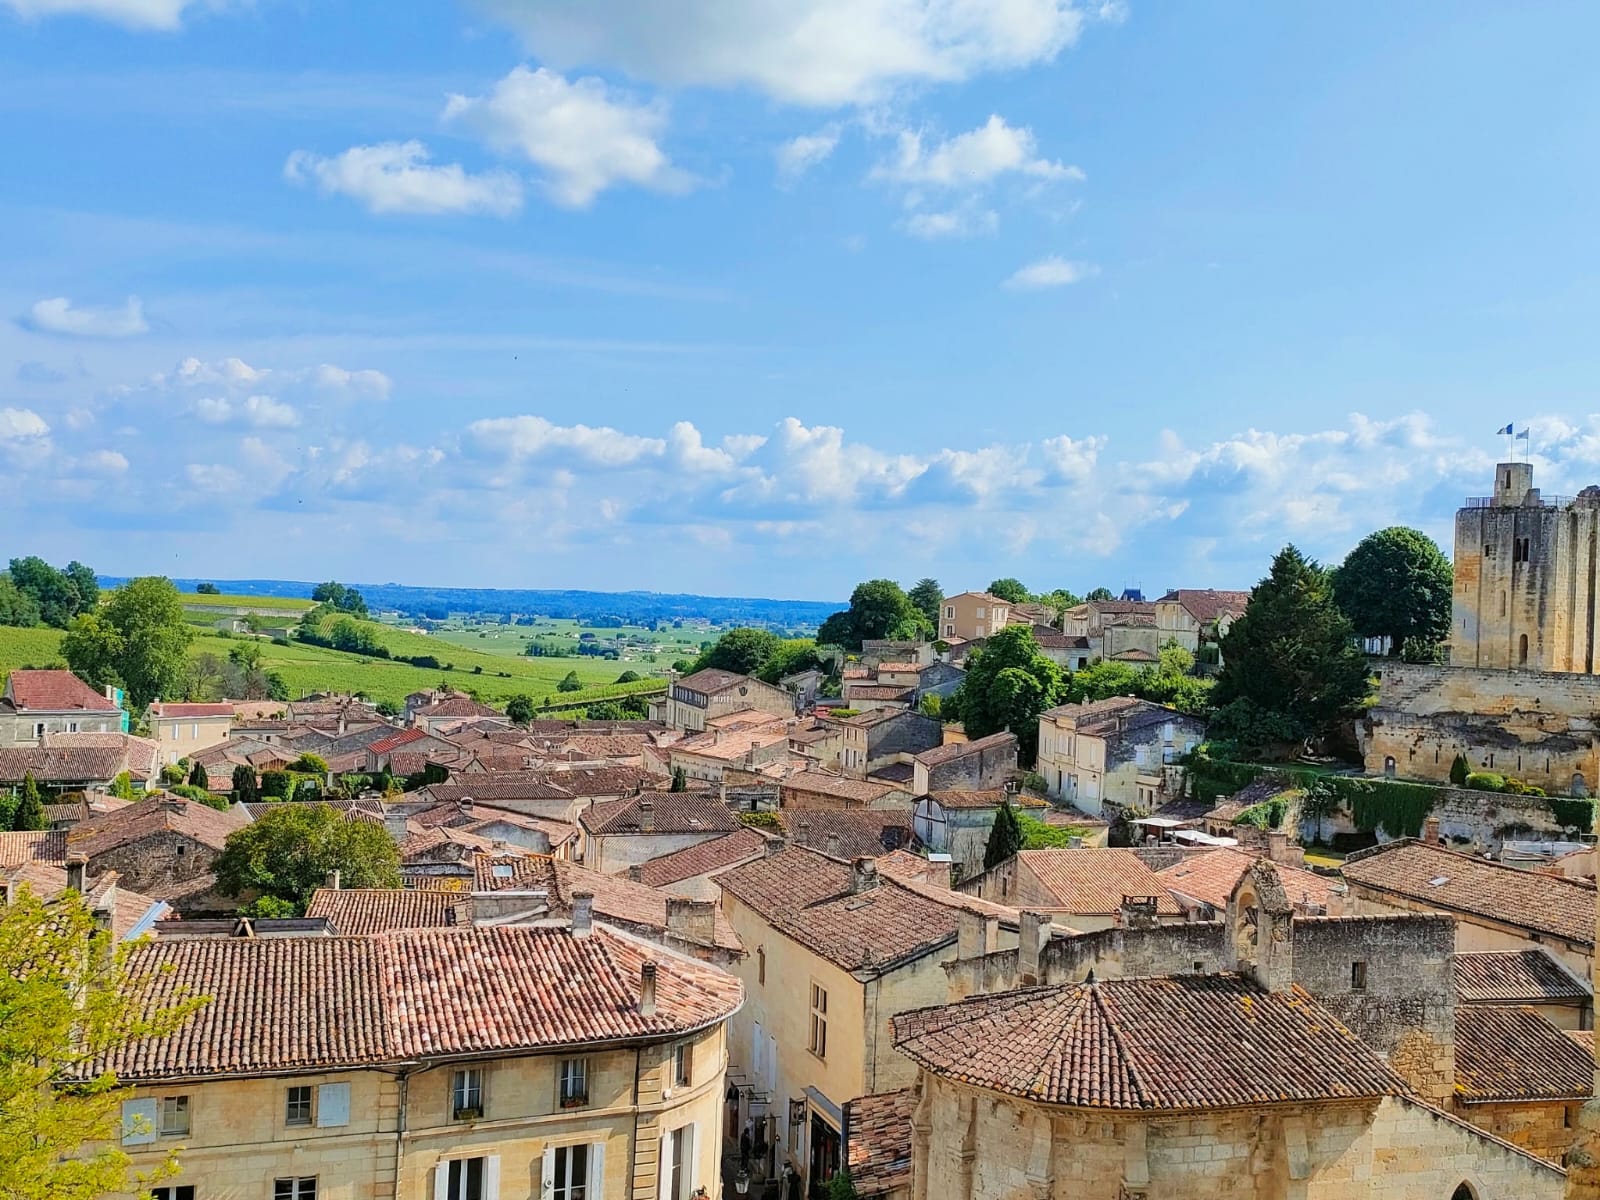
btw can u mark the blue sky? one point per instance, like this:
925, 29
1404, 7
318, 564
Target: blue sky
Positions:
604, 294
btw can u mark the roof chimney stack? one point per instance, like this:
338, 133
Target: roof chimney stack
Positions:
582, 914
332, 881
1430, 832
78, 872
863, 875
692, 920
394, 824
647, 989
647, 815
802, 832
832, 844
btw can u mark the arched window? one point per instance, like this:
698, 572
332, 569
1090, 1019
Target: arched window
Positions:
1389, 766
1464, 1192
1522, 651
1580, 786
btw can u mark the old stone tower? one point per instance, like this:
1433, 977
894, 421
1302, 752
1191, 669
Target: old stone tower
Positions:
1526, 578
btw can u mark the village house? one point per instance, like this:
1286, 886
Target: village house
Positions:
75, 762
381, 1081
958, 823
619, 834
972, 615
807, 790
832, 951
36, 703
126, 913
1117, 630
693, 871
874, 739
1197, 619
694, 699
1082, 888
1531, 979
181, 730
1121, 751
977, 765
163, 847
741, 741
1202, 882
847, 834
452, 711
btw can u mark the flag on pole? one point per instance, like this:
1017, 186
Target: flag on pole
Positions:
1523, 436
1506, 431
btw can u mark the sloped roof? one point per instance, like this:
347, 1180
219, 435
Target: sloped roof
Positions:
1444, 879
672, 813
713, 680
951, 751
17, 849
53, 691
1515, 977
1505, 1054
860, 791
861, 832
1211, 875
1180, 1042
714, 855
1207, 604
315, 1003
1093, 880
877, 1134
200, 822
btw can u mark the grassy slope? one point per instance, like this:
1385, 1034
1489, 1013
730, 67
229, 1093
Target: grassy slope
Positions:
285, 604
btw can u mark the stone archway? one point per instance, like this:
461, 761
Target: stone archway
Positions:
1464, 1192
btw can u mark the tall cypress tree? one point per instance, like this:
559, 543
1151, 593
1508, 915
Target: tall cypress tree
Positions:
1005, 837
244, 784
30, 809
198, 777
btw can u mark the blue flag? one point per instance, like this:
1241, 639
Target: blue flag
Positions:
1507, 430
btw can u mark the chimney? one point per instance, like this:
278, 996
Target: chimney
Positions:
582, 914
1430, 832
802, 832
774, 846
332, 880
1138, 912
105, 906
341, 722
394, 825
647, 815
692, 920
976, 934
647, 989
832, 844
78, 872
636, 874
1035, 934
1277, 845
176, 804
863, 875
465, 806
1075, 842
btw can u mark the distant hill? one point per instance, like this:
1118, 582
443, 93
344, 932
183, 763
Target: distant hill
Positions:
632, 607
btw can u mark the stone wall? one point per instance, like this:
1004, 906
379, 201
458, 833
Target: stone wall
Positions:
155, 862
1542, 1127
905, 733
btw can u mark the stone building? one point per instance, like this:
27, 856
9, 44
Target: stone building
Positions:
618, 834
1082, 888
1120, 751
971, 766
39, 702
164, 846
692, 700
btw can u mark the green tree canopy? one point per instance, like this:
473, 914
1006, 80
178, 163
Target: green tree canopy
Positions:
69, 998
29, 815
289, 851
570, 683
138, 639
1008, 684
680, 781
1010, 590
59, 595
199, 777
16, 606
207, 589
1291, 659
742, 651
1100, 593
1396, 584
337, 595
879, 608
244, 784
310, 764
519, 709
926, 595
1005, 837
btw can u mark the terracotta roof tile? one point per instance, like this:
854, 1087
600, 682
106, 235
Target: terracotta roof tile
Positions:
840, 787
861, 832
125, 826
712, 680
65, 760
1444, 879
1210, 876
53, 691
1515, 977
672, 813
17, 849
1515, 1054
395, 740
714, 855
954, 750
1093, 881
877, 1135
361, 912
1206, 605
313, 1003
1181, 1042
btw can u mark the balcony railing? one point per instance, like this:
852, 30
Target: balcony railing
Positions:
1544, 502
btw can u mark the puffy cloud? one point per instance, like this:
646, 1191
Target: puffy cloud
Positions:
100, 462
214, 477
396, 177
366, 384
971, 159
21, 424
534, 438
813, 52
583, 135
1051, 272
962, 222
798, 155
257, 412
132, 14
60, 316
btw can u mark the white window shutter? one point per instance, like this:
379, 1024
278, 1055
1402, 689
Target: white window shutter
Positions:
597, 1172
139, 1122
688, 1147
547, 1175
333, 1105
441, 1181
772, 1065
664, 1167
491, 1177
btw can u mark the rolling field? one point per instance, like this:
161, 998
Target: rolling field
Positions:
31, 647
260, 604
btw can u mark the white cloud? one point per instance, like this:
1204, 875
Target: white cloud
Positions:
19, 424
213, 477
798, 155
1072, 460
689, 452
529, 437
396, 177
971, 159
1054, 271
101, 462
813, 52
582, 134
367, 384
956, 223
60, 316
132, 14
256, 412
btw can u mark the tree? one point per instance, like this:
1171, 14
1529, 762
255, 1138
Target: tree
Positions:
519, 709
1396, 584
1010, 590
1291, 656
289, 850
207, 678
1008, 684
199, 777
93, 648
58, 595
570, 683
337, 596
1005, 837
310, 764
680, 781
70, 996
926, 595
879, 608
244, 784
742, 651
629, 677
16, 606
1058, 601
207, 589
29, 816
85, 584
138, 640
122, 786
1460, 768
1100, 593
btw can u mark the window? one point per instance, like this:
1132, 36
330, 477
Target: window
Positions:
949, 631
677, 1157
181, 1192
38, 729
1358, 976
569, 1178
682, 1064
194, 732
466, 1094
174, 1116
949, 611
333, 1105
296, 1187
72, 727
819, 1022
297, 1106
574, 1082
1522, 651
469, 1178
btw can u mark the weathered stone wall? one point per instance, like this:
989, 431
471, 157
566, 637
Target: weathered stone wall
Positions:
155, 862
1542, 1127
988, 768
907, 733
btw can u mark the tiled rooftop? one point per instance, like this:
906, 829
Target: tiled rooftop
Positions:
1210, 876
860, 831
1181, 1042
1515, 977
53, 691
878, 1137
1092, 881
1444, 879
126, 826
714, 855
954, 750
1515, 1054
671, 813
840, 787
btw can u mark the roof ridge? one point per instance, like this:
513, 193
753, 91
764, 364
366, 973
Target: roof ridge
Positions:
1129, 1067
